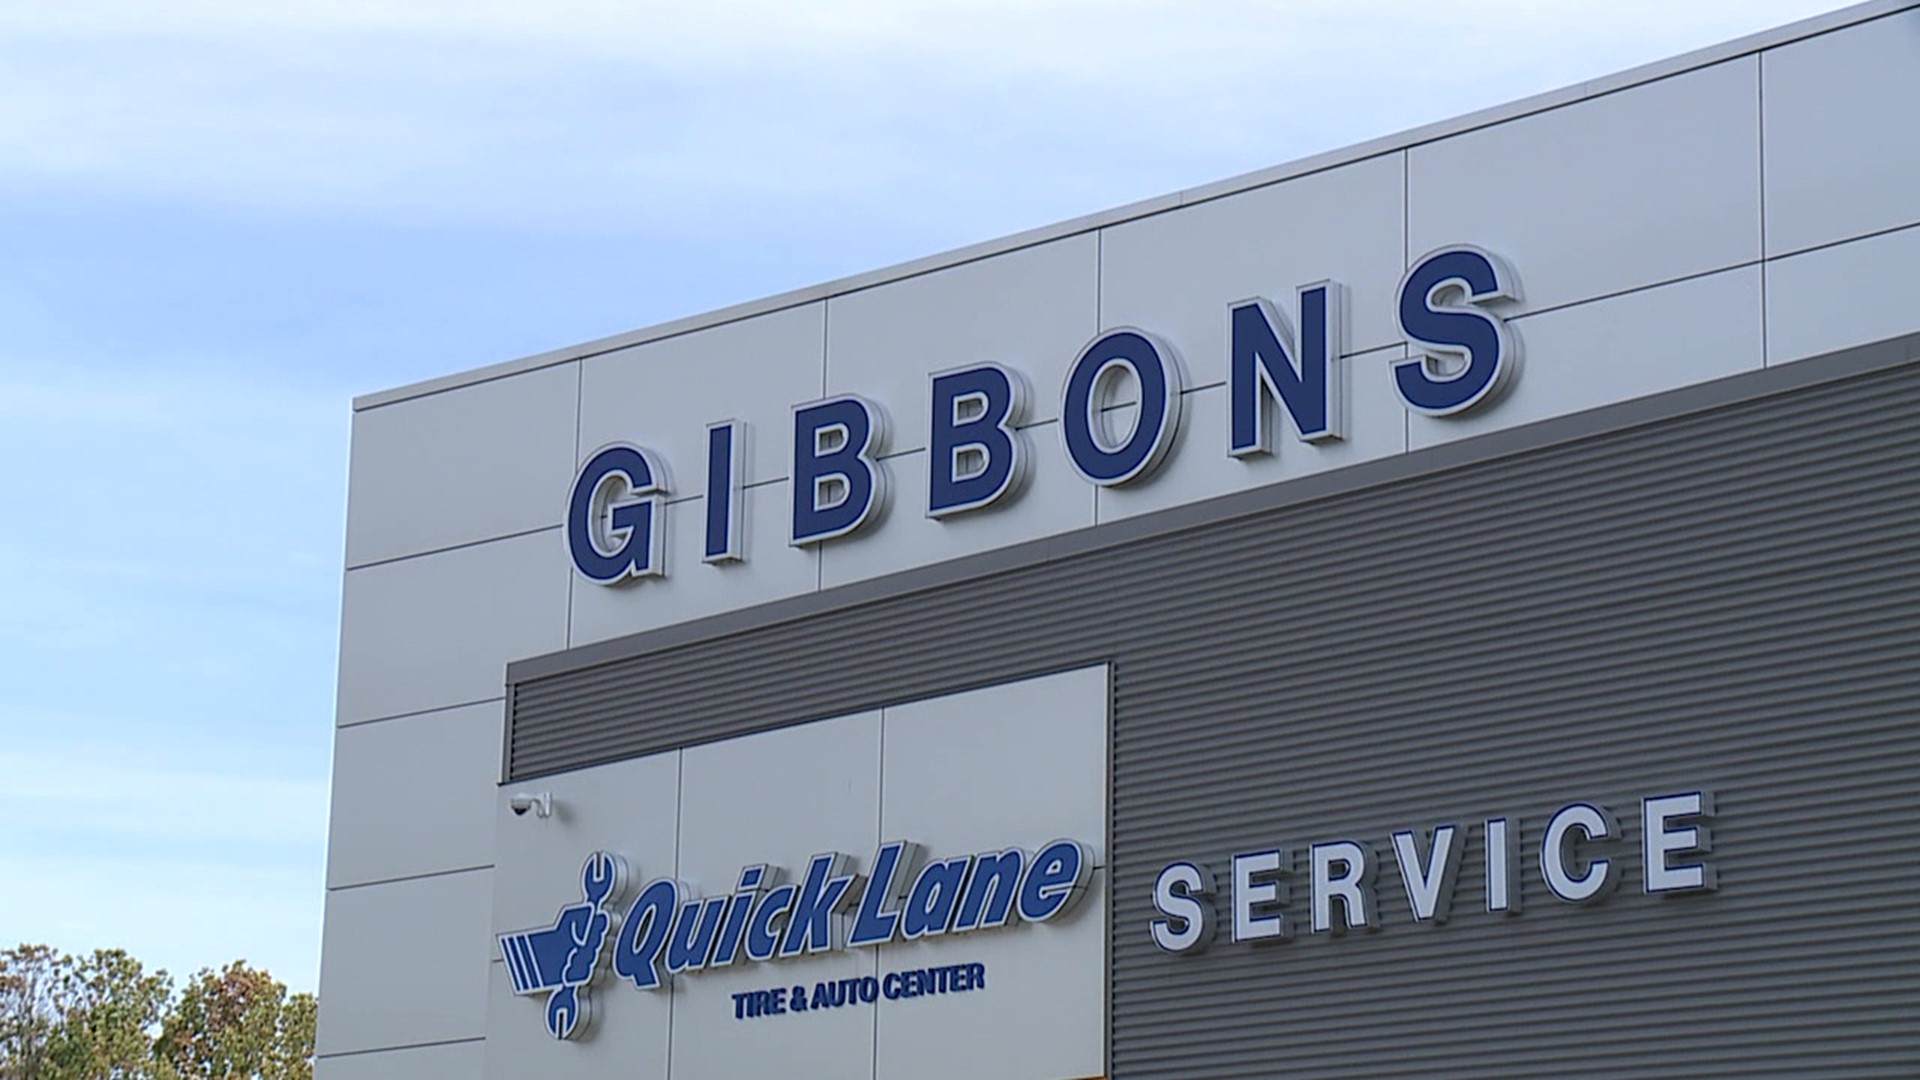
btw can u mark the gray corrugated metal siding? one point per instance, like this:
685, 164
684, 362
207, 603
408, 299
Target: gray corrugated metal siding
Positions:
1727, 599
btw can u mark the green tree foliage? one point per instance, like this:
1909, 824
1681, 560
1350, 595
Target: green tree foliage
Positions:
105, 1017
30, 1006
108, 1006
238, 1022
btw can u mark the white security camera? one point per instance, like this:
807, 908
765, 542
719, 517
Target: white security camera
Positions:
541, 804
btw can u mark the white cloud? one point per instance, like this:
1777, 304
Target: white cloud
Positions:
695, 35
609, 114
172, 588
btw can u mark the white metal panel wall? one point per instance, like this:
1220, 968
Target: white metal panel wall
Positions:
1031, 310
452, 1061
454, 565
1842, 151
401, 963
416, 795
1619, 348
461, 467
632, 808
1842, 187
431, 631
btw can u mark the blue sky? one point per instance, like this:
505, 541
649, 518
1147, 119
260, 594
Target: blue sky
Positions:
221, 219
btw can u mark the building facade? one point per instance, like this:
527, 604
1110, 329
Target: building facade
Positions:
1449, 607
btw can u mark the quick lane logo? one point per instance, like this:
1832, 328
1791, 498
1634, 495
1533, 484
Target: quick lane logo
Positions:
670, 930
560, 960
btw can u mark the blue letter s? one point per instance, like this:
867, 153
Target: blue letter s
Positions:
1462, 330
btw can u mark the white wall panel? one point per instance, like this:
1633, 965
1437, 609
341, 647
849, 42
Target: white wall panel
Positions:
772, 569
1176, 273
776, 798
1613, 350
662, 395
405, 963
472, 464
1053, 500
630, 808
627, 1037
1201, 468
1041, 1016
1836, 297
1018, 764
1015, 765
710, 1044
438, 630
450, 1061
779, 797
1031, 310
414, 795
1648, 184
1843, 149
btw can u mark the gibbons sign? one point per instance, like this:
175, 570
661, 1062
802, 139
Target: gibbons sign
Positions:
1449, 306
669, 930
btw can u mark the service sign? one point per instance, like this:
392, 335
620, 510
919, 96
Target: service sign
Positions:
1452, 307
1262, 903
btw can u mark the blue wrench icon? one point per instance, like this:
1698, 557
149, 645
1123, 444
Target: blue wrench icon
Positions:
561, 959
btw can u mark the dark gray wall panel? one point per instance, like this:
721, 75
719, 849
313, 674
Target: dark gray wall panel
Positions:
1728, 598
